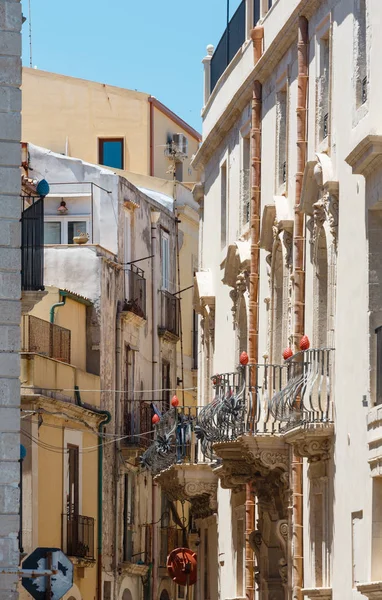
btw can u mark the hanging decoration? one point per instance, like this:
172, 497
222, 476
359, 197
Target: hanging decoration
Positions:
155, 419
175, 401
288, 353
244, 358
304, 343
62, 209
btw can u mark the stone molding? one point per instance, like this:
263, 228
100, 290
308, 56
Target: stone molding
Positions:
29, 299
372, 590
366, 157
313, 593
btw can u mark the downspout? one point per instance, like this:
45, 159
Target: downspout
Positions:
257, 37
105, 421
54, 306
154, 378
299, 292
117, 404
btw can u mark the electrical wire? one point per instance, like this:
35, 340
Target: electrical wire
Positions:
112, 391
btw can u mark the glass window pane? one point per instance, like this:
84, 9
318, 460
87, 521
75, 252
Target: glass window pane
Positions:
75, 228
111, 153
52, 233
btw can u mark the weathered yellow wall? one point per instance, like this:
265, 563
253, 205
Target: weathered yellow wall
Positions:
51, 489
164, 127
71, 316
58, 110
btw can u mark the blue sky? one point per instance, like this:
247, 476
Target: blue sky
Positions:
153, 46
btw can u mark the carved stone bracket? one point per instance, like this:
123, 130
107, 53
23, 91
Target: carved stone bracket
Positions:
312, 442
195, 483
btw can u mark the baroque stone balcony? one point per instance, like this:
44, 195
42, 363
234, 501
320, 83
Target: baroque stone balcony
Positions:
177, 463
260, 409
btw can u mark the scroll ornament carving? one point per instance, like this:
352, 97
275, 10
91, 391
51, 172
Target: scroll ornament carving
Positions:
241, 286
271, 460
325, 209
288, 245
314, 449
283, 570
198, 488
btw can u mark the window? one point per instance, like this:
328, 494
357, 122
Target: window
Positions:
52, 233
165, 255
107, 590
73, 480
64, 230
128, 517
179, 171
281, 107
223, 204
166, 384
111, 152
194, 340
361, 52
324, 87
245, 181
256, 12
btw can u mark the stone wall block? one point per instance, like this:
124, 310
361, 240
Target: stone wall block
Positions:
10, 418
9, 553
10, 314
10, 16
9, 390
10, 152
10, 258
9, 499
9, 447
10, 177
10, 43
8, 525
10, 99
10, 206
10, 124
10, 339
10, 70
9, 366
10, 285
9, 474
7, 582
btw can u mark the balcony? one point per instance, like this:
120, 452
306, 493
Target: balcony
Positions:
48, 339
178, 464
78, 532
169, 316
260, 409
135, 292
32, 251
137, 428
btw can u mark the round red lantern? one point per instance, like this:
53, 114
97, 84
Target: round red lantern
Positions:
181, 566
304, 343
288, 353
175, 401
155, 419
244, 358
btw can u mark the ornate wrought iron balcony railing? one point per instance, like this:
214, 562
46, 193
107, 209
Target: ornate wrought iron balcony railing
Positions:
135, 291
176, 440
307, 396
267, 399
79, 536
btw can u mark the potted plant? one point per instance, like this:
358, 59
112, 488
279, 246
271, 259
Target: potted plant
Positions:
81, 238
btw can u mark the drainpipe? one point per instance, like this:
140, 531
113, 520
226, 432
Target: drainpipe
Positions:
257, 37
151, 136
155, 385
52, 308
299, 291
117, 404
105, 421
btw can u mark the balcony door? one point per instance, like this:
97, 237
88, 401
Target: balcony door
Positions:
73, 480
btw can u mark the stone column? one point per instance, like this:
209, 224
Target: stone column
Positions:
207, 73
10, 288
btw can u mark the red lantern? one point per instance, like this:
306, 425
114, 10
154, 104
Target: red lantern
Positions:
181, 566
288, 353
175, 401
244, 358
155, 419
304, 343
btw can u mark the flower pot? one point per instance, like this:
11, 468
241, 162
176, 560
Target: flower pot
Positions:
80, 239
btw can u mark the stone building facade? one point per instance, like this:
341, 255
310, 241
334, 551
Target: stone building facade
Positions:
290, 275
10, 288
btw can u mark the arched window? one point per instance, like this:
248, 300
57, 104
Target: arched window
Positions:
164, 595
127, 595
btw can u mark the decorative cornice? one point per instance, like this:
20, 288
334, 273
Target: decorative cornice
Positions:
372, 590
129, 568
366, 156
